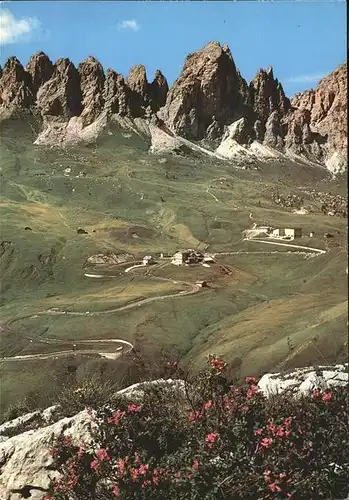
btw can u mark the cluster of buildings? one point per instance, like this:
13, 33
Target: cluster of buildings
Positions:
190, 256
283, 233
182, 258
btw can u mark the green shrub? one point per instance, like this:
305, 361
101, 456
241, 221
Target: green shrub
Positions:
16, 410
92, 391
214, 442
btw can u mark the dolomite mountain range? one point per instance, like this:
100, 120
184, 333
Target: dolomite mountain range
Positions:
210, 104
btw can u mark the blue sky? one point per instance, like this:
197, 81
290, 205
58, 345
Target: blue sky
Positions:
302, 40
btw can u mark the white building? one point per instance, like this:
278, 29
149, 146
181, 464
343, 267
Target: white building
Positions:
287, 233
177, 259
187, 257
279, 233
202, 284
208, 257
147, 259
294, 232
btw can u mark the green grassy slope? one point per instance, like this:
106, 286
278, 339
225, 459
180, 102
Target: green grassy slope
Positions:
271, 310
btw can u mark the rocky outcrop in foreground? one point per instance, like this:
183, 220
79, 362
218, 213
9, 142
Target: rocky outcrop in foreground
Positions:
210, 101
25, 457
24, 454
304, 380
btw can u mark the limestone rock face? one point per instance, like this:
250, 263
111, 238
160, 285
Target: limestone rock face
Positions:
304, 380
259, 130
116, 94
328, 110
266, 96
92, 80
145, 98
138, 85
40, 68
209, 100
299, 133
328, 107
15, 87
61, 95
274, 133
267, 107
209, 90
25, 457
137, 80
214, 130
239, 131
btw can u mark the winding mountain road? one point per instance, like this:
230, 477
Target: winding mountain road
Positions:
310, 249
123, 346
193, 288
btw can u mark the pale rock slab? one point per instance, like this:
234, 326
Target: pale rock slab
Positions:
304, 380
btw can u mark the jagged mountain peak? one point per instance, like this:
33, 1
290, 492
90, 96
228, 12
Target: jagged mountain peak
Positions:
267, 95
38, 55
41, 68
137, 78
209, 91
265, 73
13, 65
90, 59
209, 95
64, 66
91, 65
159, 77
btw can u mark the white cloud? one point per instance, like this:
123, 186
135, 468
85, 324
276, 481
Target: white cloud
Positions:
304, 78
129, 24
13, 29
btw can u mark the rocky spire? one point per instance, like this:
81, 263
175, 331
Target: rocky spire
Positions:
116, 94
61, 95
15, 86
267, 96
41, 69
92, 81
138, 85
208, 91
209, 95
328, 107
158, 90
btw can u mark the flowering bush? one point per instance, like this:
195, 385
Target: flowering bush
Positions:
215, 441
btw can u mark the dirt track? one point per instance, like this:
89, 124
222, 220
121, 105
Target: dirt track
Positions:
124, 347
310, 249
193, 288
